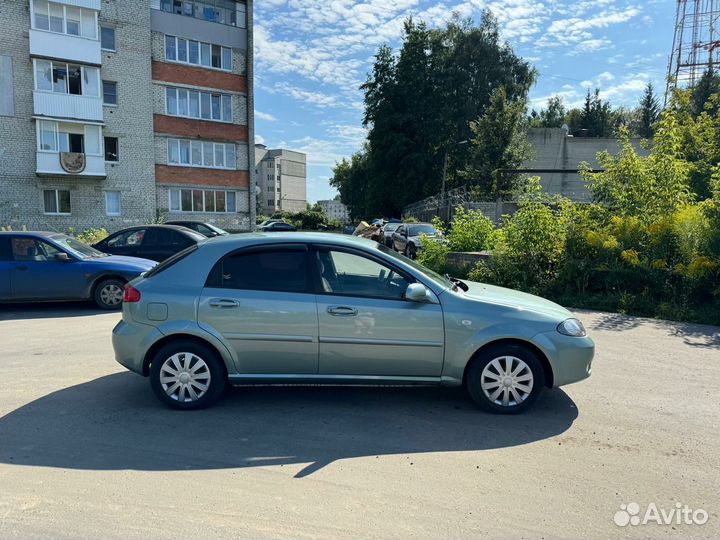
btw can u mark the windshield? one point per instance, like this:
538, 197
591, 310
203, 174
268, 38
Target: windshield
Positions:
77, 248
433, 276
417, 230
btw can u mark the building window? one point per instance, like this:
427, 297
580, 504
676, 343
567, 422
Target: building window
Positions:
201, 154
110, 93
64, 137
57, 201
270, 202
203, 200
107, 38
111, 149
112, 203
201, 105
63, 78
197, 53
64, 19
219, 11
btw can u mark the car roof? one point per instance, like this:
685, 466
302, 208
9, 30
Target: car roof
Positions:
248, 239
47, 234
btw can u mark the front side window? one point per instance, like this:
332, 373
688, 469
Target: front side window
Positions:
31, 249
350, 274
129, 238
272, 270
56, 201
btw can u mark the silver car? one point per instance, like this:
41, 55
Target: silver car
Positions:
308, 308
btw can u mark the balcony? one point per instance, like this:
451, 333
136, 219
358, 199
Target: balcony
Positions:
70, 164
58, 105
80, 49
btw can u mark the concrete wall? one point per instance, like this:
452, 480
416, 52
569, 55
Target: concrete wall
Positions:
553, 149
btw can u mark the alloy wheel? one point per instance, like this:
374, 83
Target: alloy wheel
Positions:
185, 377
111, 295
507, 381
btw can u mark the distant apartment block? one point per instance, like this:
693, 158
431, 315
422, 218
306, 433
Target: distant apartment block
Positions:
335, 210
117, 112
281, 179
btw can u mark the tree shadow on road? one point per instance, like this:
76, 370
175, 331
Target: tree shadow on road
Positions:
48, 310
114, 422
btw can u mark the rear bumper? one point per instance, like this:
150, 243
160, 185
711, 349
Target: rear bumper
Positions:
570, 357
131, 342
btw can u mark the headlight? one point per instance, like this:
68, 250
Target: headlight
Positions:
571, 327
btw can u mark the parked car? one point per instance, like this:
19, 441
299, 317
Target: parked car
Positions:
156, 242
277, 226
207, 229
309, 308
45, 266
406, 238
386, 233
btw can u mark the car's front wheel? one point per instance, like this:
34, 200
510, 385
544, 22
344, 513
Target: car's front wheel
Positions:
109, 294
411, 252
505, 379
187, 375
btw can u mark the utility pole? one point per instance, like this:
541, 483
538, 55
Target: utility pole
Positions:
441, 200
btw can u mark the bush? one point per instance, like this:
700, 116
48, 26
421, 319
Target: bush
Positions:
89, 236
471, 231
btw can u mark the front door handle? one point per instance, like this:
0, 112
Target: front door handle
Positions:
342, 311
224, 303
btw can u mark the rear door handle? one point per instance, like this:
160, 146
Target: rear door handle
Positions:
224, 303
342, 311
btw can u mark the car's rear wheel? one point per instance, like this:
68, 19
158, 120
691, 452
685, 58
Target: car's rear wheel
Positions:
505, 379
410, 252
109, 294
187, 375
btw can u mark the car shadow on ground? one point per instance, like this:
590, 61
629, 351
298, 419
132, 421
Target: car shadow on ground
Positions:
114, 422
48, 310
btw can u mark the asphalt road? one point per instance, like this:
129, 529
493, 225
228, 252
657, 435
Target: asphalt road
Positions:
87, 451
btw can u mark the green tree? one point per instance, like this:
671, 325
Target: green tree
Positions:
648, 113
596, 115
420, 102
707, 86
553, 116
498, 142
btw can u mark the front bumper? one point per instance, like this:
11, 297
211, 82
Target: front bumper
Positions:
570, 357
131, 341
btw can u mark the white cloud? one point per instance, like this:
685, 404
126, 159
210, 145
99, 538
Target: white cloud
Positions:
265, 116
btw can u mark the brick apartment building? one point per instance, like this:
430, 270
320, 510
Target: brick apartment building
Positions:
281, 180
117, 112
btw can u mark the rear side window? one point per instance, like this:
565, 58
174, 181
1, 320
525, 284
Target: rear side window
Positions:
167, 263
280, 270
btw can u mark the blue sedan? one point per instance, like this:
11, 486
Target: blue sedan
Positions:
46, 266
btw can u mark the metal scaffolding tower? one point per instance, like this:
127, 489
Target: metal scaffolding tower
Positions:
696, 44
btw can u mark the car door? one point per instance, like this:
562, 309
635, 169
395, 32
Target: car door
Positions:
38, 273
367, 328
159, 244
261, 300
126, 243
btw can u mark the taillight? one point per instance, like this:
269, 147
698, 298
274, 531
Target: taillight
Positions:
131, 294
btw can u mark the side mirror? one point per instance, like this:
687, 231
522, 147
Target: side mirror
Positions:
417, 292
62, 257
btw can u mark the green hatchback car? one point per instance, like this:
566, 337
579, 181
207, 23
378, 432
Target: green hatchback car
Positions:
314, 308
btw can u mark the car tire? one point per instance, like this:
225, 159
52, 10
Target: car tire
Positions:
187, 375
411, 252
500, 374
108, 294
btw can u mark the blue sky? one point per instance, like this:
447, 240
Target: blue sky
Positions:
311, 56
